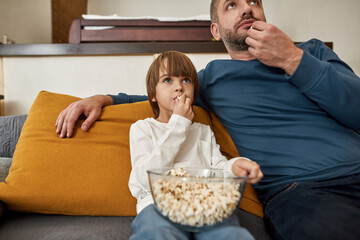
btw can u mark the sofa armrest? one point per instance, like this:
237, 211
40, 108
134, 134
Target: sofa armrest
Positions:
10, 128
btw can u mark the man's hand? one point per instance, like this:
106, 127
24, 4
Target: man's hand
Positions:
245, 167
183, 107
273, 47
91, 107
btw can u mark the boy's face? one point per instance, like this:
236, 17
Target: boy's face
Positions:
169, 88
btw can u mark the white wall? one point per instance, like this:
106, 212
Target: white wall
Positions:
26, 21
25, 77
156, 8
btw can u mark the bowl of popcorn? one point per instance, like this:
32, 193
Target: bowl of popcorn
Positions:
196, 198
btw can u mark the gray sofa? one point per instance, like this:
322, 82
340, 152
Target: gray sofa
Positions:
16, 225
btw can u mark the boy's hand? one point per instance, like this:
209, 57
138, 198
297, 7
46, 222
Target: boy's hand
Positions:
243, 167
183, 107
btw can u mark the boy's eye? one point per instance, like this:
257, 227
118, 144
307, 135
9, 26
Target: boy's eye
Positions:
167, 80
186, 80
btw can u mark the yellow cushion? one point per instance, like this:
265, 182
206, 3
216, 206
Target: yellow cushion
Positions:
84, 175
87, 174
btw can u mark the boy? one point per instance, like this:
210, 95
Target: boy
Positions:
171, 139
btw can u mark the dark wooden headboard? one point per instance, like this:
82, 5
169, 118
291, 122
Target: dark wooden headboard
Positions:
139, 31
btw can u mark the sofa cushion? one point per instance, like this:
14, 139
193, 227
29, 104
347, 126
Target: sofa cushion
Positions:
88, 173
84, 175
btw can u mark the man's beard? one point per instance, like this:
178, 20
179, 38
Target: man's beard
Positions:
234, 40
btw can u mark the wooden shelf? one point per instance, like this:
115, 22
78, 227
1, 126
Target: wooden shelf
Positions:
124, 48
139, 31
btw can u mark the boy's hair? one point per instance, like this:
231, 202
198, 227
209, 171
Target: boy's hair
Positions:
178, 65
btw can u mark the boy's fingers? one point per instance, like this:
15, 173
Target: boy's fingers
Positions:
188, 101
255, 176
252, 170
182, 98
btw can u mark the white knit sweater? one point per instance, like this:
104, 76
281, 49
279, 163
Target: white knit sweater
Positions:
178, 143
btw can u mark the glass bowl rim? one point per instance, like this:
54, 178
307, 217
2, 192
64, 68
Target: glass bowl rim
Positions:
160, 173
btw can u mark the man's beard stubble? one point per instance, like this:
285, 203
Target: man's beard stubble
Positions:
235, 41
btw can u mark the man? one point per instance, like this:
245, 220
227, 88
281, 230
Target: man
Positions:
293, 109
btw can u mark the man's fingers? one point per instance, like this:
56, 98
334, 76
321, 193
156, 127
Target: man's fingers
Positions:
254, 34
59, 123
63, 131
90, 120
259, 25
251, 42
70, 124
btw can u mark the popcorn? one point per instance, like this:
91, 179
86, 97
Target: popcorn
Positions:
195, 203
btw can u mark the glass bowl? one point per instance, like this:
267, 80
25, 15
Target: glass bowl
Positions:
194, 198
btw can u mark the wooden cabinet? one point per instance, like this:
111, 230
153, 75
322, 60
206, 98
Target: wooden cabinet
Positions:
63, 12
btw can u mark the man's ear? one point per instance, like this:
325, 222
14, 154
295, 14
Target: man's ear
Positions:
214, 28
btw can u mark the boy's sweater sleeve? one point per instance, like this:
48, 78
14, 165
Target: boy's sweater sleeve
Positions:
329, 82
124, 98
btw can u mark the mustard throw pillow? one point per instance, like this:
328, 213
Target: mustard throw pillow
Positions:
84, 175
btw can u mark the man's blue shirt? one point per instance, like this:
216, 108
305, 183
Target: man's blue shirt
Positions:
303, 127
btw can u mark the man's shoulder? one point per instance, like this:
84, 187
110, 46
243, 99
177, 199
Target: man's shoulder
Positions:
218, 66
318, 49
311, 44
219, 63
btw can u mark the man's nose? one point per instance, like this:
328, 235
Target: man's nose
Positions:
245, 9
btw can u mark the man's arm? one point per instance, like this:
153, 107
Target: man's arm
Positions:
124, 98
317, 72
324, 78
